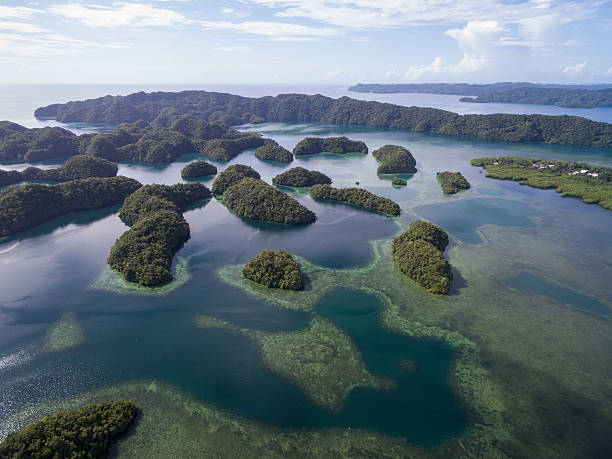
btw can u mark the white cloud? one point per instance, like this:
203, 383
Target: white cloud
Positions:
390, 73
608, 72
22, 27
335, 73
17, 12
439, 69
574, 69
274, 30
233, 49
476, 35
119, 15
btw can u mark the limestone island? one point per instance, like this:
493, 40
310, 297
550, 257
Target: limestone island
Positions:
395, 160
198, 169
20, 144
274, 269
452, 182
85, 432
255, 199
231, 176
592, 184
300, 177
272, 151
336, 145
419, 254
399, 182
144, 253
24, 206
357, 197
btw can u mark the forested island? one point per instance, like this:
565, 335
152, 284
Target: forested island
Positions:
395, 160
561, 97
397, 181
419, 254
255, 199
272, 151
357, 197
274, 269
144, 253
24, 206
336, 145
86, 432
592, 184
232, 175
198, 169
452, 182
163, 107
300, 177
20, 144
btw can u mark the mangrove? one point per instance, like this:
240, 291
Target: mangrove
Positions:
356, 196
274, 269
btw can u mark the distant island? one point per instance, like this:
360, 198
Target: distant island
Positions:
395, 160
452, 182
272, 151
274, 269
561, 97
163, 108
336, 145
592, 184
300, 177
357, 197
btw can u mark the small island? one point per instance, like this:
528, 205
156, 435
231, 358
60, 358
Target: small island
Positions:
336, 145
357, 197
255, 199
84, 432
272, 151
198, 169
20, 144
592, 184
395, 160
144, 253
231, 176
24, 206
399, 182
452, 182
274, 269
300, 177
419, 254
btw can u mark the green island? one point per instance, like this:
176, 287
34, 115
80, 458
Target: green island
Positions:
300, 177
255, 199
24, 206
335, 145
419, 254
322, 359
272, 151
461, 89
561, 97
198, 169
452, 182
357, 197
274, 269
397, 181
86, 432
592, 184
20, 144
236, 110
395, 160
144, 253
232, 175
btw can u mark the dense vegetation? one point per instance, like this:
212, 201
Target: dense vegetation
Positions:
85, 432
399, 182
10, 177
452, 182
562, 97
24, 206
231, 176
164, 107
418, 253
274, 269
593, 184
272, 151
19, 144
337, 145
255, 199
356, 196
300, 177
198, 169
395, 160
144, 253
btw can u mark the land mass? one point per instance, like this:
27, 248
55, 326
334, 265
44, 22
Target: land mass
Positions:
336, 145
274, 269
198, 169
300, 177
452, 182
357, 197
394, 160
562, 97
272, 151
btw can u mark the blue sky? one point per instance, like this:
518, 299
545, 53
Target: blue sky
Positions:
305, 41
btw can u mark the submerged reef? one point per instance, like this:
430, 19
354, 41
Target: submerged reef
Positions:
274, 269
255, 199
336, 145
300, 177
144, 253
452, 182
24, 206
84, 432
418, 253
592, 184
232, 175
356, 196
272, 151
395, 160
198, 169
64, 334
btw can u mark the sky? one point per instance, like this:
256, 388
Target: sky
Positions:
305, 41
